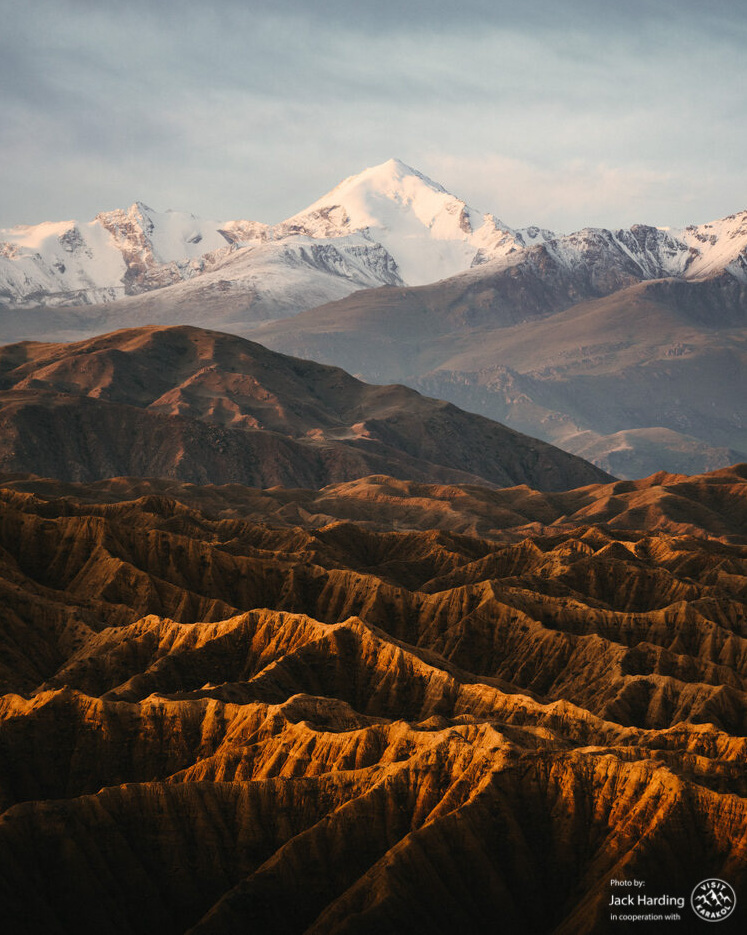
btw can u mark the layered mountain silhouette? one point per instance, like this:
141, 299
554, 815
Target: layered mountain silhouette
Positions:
565, 337
208, 407
283, 651
330, 711
650, 377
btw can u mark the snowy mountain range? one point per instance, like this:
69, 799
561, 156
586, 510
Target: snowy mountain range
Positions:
389, 225
396, 279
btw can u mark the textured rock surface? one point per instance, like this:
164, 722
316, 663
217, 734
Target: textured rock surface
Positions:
230, 710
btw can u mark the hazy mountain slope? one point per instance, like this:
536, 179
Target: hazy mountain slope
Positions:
214, 724
651, 377
204, 406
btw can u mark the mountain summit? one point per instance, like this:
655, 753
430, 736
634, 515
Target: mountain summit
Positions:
425, 232
430, 233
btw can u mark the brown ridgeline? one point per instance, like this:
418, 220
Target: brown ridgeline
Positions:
208, 407
379, 707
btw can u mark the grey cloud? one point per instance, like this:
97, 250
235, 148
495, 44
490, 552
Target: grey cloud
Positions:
256, 108
436, 15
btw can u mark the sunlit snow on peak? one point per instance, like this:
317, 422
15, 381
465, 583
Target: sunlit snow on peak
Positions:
406, 228
431, 233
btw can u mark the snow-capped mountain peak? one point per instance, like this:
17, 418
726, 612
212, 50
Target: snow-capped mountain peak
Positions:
431, 233
718, 245
167, 236
426, 232
392, 178
56, 262
391, 223
118, 253
380, 196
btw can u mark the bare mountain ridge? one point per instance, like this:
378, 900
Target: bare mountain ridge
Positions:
710, 505
209, 407
650, 377
523, 715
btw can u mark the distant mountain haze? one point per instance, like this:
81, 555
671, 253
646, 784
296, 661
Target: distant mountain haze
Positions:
626, 347
652, 377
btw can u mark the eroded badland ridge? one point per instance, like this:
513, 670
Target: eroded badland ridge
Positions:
378, 707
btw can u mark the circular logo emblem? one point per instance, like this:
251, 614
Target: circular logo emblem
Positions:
713, 900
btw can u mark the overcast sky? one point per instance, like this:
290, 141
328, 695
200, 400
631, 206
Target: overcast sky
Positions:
562, 113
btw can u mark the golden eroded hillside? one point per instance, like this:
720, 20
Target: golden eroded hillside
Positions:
381, 707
